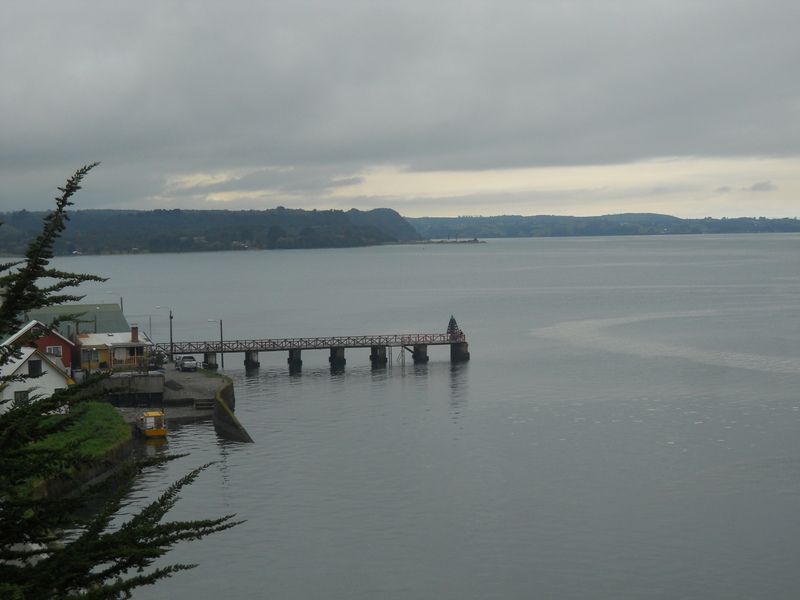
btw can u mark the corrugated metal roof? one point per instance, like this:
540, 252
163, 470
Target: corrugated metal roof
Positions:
94, 318
95, 340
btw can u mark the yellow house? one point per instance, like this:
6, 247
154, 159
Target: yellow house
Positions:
105, 351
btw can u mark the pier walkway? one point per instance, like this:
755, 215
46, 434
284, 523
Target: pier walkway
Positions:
416, 343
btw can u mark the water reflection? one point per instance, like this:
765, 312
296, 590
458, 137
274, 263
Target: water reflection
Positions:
459, 389
155, 447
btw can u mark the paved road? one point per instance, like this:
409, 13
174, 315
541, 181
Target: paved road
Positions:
180, 387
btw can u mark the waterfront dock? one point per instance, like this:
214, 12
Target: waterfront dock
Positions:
416, 344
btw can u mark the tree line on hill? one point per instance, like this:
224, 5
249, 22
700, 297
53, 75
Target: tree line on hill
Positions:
124, 231
453, 228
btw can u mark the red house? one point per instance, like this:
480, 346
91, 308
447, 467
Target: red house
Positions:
48, 342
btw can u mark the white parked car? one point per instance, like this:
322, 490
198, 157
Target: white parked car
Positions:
186, 363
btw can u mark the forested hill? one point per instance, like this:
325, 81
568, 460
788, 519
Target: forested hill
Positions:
122, 231
463, 228
115, 231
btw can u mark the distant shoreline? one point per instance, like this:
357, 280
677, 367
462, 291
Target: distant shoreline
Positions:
472, 241
108, 232
14, 257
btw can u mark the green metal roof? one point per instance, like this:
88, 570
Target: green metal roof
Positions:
94, 318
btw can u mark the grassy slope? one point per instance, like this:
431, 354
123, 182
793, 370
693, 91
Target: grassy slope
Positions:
100, 426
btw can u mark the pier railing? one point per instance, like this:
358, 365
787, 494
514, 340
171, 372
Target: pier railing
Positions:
309, 343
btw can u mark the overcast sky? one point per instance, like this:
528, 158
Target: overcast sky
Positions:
688, 108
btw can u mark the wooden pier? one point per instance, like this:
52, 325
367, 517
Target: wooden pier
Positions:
415, 343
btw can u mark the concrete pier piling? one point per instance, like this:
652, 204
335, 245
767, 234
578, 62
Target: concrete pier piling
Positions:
337, 359
459, 352
294, 360
420, 353
210, 360
377, 356
251, 359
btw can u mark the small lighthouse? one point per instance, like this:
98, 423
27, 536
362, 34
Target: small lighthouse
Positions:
459, 350
452, 329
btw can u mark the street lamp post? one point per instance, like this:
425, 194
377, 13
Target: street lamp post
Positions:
221, 353
171, 344
121, 305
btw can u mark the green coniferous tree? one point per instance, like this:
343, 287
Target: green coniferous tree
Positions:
98, 559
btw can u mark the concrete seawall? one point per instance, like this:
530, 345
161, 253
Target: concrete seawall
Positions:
199, 394
194, 396
225, 422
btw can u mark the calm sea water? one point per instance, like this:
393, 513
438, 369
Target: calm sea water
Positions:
627, 426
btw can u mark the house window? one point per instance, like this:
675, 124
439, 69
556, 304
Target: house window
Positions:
20, 396
91, 355
54, 350
34, 367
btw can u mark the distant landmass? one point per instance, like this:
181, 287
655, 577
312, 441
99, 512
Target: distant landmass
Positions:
460, 228
126, 231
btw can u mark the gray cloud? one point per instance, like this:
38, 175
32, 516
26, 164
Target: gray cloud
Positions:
763, 186
305, 95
